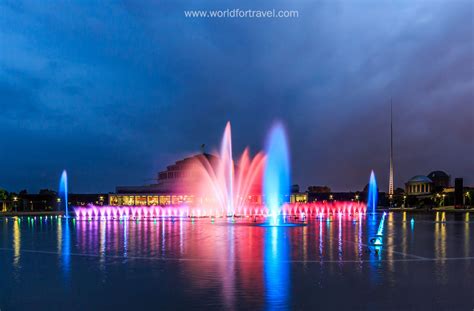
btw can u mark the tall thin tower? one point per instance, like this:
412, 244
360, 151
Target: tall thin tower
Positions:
390, 181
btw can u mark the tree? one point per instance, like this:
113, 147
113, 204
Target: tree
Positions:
3, 199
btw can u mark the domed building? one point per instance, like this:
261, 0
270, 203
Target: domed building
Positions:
440, 179
427, 191
183, 175
419, 185
174, 185
178, 184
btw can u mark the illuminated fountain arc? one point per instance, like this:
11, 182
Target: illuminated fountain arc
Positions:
276, 180
225, 186
372, 193
226, 170
63, 192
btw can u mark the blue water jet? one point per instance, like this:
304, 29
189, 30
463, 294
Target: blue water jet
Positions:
276, 177
380, 230
376, 242
63, 192
372, 193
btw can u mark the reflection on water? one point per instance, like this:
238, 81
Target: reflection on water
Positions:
59, 236
102, 244
239, 265
467, 246
125, 238
375, 250
390, 244
404, 234
16, 243
66, 251
359, 243
227, 271
277, 268
63, 238
440, 251
339, 239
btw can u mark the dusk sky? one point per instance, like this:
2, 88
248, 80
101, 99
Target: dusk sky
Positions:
116, 91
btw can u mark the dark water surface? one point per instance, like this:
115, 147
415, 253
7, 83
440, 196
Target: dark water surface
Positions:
50, 264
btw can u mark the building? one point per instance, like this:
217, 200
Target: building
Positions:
434, 190
440, 180
80, 199
419, 185
319, 189
299, 197
175, 185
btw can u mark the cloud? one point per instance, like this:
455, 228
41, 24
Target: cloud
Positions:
125, 89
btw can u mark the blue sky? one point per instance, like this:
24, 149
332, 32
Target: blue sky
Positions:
115, 91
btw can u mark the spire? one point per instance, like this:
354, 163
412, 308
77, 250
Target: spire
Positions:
390, 182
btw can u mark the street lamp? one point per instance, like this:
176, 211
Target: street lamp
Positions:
15, 199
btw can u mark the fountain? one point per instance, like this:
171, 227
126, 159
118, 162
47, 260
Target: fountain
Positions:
382, 221
276, 179
227, 170
376, 242
222, 189
63, 192
372, 193
317, 210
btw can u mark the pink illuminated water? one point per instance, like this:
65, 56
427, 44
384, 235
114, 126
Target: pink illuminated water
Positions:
224, 187
301, 210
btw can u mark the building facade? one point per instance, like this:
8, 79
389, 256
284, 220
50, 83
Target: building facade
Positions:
419, 185
174, 186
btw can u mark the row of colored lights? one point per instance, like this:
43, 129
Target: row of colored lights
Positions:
40, 218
